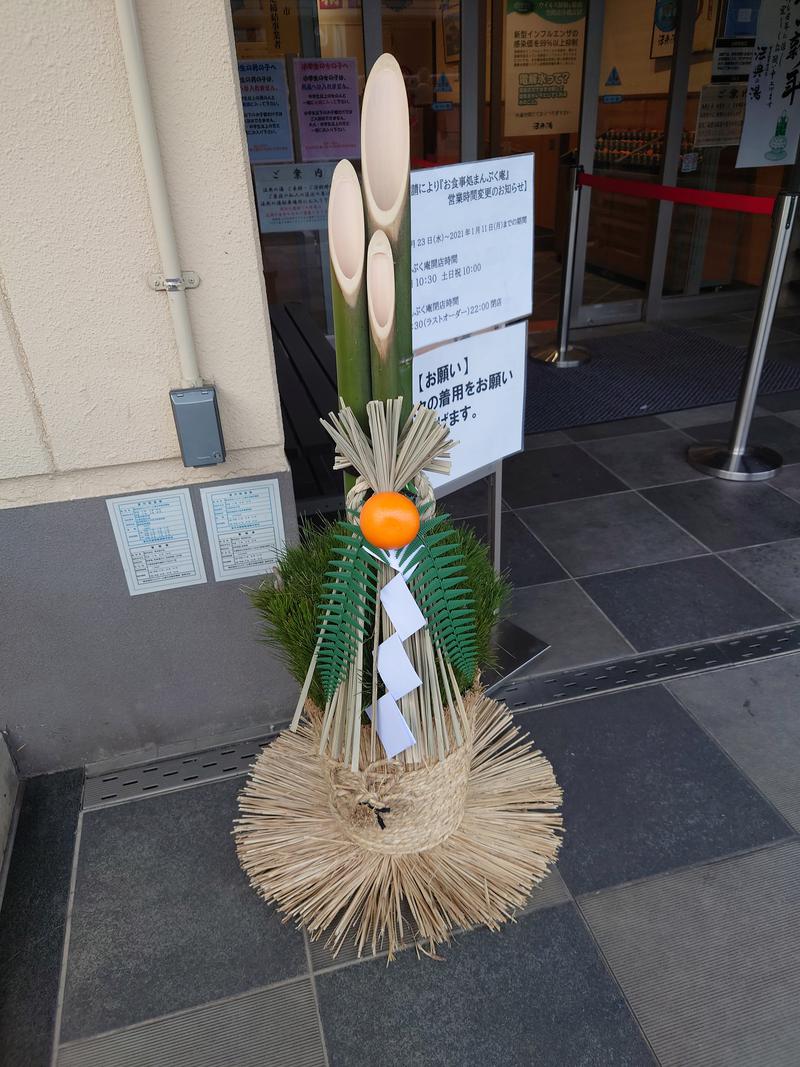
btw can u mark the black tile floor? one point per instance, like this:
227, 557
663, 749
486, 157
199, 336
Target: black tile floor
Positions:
668, 933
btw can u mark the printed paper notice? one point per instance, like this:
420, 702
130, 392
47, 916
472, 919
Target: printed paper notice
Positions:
471, 247
265, 104
476, 386
157, 540
772, 115
543, 57
292, 198
244, 522
720, 115
327, 108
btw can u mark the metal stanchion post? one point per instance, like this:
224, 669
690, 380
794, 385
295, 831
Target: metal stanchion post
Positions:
739, 461
563, 354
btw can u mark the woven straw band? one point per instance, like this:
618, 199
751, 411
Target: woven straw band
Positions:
394, 809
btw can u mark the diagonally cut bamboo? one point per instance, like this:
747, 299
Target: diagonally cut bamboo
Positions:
348, 289
385, 178
381, 317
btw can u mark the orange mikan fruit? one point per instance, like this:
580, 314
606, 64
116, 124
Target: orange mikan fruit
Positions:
389, 520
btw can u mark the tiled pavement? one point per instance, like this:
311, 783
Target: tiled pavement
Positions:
668, 934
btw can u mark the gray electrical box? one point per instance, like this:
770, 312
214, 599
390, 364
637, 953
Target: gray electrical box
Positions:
199, 429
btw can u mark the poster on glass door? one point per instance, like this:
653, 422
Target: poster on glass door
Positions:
772, 110
543, 61
265, 104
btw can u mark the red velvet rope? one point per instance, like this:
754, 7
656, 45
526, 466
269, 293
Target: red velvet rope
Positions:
751, 205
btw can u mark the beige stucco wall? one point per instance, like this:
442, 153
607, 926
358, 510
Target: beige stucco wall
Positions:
87, 352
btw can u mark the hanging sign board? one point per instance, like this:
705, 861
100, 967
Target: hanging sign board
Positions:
476, 386
542, 65
157, 540
326, 91
293, 197
665, 21
720, 115
265, 103
471, 247
244, 522
772, 112
733, 57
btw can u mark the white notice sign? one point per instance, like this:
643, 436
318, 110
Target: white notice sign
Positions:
471, 247
772, 115
157, 540
293, 197
477, 387
244, 522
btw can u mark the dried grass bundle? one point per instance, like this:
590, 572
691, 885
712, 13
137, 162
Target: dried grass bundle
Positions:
395, 856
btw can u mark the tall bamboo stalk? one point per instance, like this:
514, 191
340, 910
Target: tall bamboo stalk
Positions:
385, 141
348, 289
381, 318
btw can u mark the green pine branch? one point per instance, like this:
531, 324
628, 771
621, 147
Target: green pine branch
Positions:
347, 606
441, 589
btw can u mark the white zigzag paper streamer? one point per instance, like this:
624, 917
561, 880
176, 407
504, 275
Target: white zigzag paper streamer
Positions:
393, 664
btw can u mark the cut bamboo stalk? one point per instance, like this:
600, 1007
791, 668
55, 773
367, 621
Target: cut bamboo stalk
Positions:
385, 177
385, 366
346, 239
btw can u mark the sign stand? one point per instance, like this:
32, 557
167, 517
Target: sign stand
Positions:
495, 514
564, 354
738, 461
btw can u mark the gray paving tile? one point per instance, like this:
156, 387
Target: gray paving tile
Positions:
620, 428
471, 500
729, 515
545, 440
680, 602
549, 893
521, 555
770, 430
787, 480
544, 475
604, 533
273, 1027
566, 618
163, 917
646, 459
708, 958
705, 415
753, 712
536, 992
34, 916
774, 568
788, 401
645, 789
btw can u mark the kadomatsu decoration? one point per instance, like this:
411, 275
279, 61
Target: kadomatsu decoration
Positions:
402, 803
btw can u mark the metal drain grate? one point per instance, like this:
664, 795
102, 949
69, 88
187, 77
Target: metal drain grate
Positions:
278, 1026
649, 669
161, 776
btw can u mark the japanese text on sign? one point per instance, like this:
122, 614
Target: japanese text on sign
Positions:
719, 115
293, 197
471, 247
772, 112
265, 104
157, 541
544, 52
733, 57
244, 522
476, 386
327, 108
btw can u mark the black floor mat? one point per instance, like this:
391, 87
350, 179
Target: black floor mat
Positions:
643, 373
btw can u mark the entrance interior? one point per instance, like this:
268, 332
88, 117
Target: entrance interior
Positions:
625, 104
